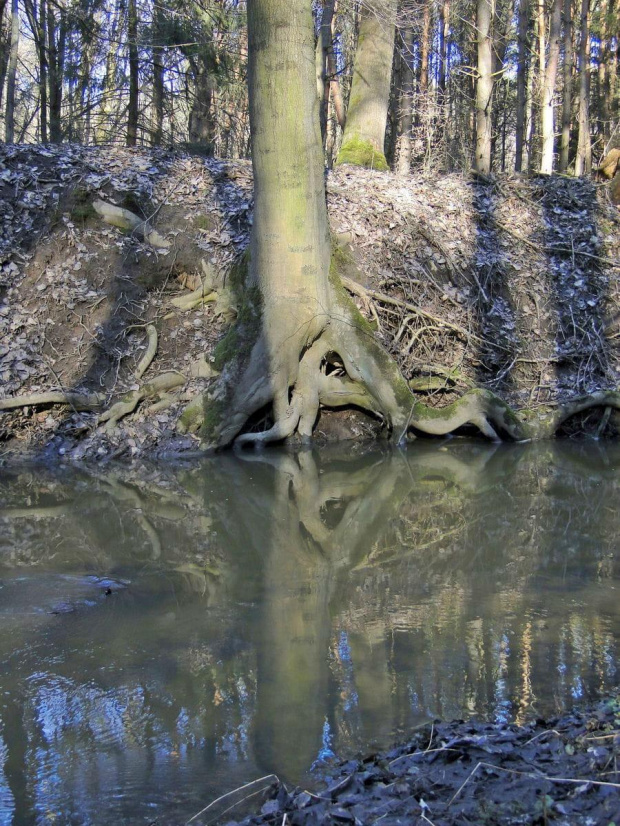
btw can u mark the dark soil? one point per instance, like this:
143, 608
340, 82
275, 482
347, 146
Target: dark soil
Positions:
560, 771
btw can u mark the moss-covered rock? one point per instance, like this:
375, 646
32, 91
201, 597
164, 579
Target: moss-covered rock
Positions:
359, 152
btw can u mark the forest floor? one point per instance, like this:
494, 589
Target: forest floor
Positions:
510, 284
562, 771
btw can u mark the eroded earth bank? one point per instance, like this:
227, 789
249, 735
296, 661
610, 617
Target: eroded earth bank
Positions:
122, 280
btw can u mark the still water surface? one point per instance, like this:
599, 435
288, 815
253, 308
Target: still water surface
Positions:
170, 633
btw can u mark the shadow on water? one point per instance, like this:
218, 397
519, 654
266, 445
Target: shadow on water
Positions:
282, 607
495, 311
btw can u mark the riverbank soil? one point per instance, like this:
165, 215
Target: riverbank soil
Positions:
563, 771
115, 291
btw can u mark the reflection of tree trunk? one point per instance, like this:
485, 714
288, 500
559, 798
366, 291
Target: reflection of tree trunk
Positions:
16, 765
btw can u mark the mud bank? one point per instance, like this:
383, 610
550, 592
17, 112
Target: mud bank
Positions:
509, 284
561, 770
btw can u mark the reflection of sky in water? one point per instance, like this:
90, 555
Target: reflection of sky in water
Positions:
6, 796
451, 610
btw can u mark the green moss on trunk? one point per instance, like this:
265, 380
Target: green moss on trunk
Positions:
359, 152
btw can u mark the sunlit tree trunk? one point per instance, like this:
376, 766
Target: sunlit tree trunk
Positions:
548, 90
567, 90
522, 72
484, 86
134, 68
583, 161
364, 133
12, 74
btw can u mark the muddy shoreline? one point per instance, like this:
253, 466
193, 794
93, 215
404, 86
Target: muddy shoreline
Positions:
561, 770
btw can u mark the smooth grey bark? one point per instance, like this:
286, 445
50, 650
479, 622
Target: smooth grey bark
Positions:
364, 133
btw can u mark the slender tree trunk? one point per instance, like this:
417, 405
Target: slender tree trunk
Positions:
134, 67
583, 161
484, 87
567, 91
201, 124
444, 32
403, 147
522, 72
158, 77
12, 74
364, 133
42, 40
322, 64
5, 49
548, 90
56, 37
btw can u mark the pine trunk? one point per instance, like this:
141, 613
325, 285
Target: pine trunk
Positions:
134, 68
522, 71
484, 87
157, 132
403, 146
12, 74
583, 161
548, 90
567, 91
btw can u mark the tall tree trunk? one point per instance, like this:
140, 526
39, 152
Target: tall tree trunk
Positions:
567, 83
201, 124
364, 133
109, 92
56, 37
12, 74
403, 145
548, 90
322, 64
444, 31
305, 318
134, 68
583, 161
5, 49
484, 87
41, 44
522, 71
158, 77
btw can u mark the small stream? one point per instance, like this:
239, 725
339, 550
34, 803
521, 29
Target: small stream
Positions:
171, 632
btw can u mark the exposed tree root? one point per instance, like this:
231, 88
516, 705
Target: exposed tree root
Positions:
156, 388
79, 401
151, 350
